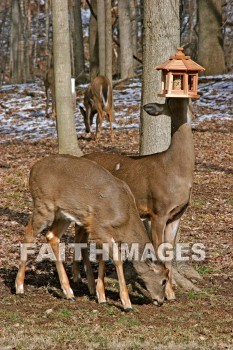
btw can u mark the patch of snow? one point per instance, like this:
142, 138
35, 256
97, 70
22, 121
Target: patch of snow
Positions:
22, 109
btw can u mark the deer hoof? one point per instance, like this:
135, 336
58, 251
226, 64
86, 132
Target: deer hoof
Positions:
72, 299
171, 296
128, 309
19, 289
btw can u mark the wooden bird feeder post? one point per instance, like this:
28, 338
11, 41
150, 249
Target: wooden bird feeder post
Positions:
179, 76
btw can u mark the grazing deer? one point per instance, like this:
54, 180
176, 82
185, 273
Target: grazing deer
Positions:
161, 183
98, 99
66, 188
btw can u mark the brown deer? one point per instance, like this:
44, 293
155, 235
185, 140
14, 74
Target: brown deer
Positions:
161, 183
66, 188
47, 75
49, 83
98, 99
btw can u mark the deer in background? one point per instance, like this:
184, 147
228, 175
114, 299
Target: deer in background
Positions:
161, 183
98, 99
49, 83
66, 188
47, 75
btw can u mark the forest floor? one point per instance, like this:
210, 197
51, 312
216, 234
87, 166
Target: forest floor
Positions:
43, 319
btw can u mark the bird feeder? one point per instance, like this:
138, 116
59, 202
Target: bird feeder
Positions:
179, 76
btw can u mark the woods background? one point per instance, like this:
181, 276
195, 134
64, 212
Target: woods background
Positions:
26, 37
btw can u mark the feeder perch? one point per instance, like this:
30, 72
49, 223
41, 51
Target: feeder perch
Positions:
179, 76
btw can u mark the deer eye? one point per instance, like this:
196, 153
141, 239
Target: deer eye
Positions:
163, 282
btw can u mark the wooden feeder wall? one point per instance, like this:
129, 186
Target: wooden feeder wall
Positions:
179, 76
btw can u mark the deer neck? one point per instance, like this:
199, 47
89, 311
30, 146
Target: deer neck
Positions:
181, 147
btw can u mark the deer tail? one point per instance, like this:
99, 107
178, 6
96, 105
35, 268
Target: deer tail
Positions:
104, 92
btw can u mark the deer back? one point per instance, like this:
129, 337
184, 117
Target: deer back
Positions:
97, 99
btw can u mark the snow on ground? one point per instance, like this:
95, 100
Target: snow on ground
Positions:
22, 107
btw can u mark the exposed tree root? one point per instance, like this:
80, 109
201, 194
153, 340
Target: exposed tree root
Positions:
183, 282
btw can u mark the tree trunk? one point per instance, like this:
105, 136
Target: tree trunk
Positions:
47, 27
188, 25
133, 15
21, 48
101, 35
93, 43
78, 41
67, 138
28, 41
159, 45
35, 46
14, 41
210, 40
126, 52
228, 34
71, 30
108, 39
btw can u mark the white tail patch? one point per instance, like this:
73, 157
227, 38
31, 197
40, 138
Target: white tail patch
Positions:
118, 166
105, 102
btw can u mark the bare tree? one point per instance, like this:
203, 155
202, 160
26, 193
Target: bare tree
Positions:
228, 33
21, 46
210, 40
126, 52
189, 27
47, 27
101, 34
108, 40
28, 42
93, 42
161, 39
133, 19
78, 40
15, 19
67, 137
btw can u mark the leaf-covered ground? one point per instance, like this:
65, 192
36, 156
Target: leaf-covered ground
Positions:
42, 319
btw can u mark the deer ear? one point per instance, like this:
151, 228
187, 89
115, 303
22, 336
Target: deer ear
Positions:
150, 263
154, 108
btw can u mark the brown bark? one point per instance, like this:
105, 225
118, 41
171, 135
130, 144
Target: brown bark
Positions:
210, 43
161, 40
108, 40
67, 138
126, 52
93, 43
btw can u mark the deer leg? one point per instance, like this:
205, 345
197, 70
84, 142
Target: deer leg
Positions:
76, 266
81, 236
162, 233
158, 225
53, 237
170, 237
110, 118
28, 238
99, 121
100, 290
124, 295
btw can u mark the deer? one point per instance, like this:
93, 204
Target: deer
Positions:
161, 183
47, 75
102, 205
49, 84
98, 99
